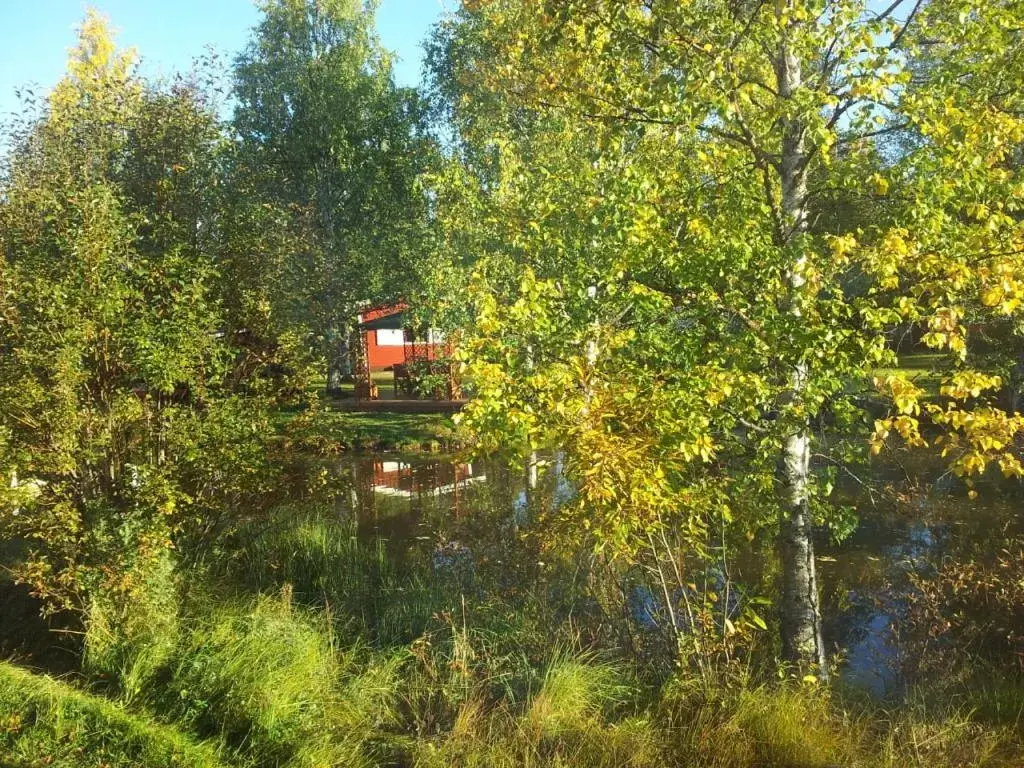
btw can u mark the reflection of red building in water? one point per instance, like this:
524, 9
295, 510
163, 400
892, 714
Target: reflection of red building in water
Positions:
389, 341
396, 478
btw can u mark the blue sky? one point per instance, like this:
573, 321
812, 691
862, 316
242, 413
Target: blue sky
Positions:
168, 34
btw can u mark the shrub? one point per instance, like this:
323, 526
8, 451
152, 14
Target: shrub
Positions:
970, 609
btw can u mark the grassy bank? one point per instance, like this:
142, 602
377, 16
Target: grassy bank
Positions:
271, 703
45, 722
924, 369
301, 646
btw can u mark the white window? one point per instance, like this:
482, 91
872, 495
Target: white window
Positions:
435, 336
390, 337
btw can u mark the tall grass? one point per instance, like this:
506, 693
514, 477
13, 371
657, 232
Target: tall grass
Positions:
327, 566
566, 721
741, 724
128, 643
315, 649
269, 679
262, 675
576, 690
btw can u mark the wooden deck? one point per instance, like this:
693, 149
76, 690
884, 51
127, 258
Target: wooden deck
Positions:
391, 405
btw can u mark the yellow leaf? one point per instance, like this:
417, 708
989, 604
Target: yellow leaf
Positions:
992, 296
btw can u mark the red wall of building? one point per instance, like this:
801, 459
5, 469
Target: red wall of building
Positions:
380, 358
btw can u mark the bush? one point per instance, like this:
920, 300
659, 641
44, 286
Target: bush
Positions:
970, 610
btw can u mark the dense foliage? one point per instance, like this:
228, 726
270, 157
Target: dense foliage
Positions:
334, 139
724, 276
701, 229
128, 407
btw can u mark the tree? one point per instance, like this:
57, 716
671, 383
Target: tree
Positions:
704, 321
124, 425
341, 145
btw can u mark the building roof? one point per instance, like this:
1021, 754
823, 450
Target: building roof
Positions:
395, 321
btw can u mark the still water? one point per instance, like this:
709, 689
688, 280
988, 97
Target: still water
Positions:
442, 510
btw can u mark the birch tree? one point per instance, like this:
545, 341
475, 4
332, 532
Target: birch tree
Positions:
676, 181
336, 140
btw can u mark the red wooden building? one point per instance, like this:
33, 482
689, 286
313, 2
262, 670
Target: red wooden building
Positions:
389, 341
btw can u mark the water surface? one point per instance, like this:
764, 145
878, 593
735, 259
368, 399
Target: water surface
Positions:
448, 511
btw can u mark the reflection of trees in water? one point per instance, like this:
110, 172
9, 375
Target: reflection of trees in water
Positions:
480, 534
868, 582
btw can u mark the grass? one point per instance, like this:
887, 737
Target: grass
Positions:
394, 431
46, 722
345, 658
576, 690
799, 726
327, 567
925, 369
326, 431
263, 677
567, 721
385, 380
301, 646
279, 696
269, 679
270, 683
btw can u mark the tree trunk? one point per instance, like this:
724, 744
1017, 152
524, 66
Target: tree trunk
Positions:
339, 358
802, 640
1017, 384
801, 618
532, 475
335, 363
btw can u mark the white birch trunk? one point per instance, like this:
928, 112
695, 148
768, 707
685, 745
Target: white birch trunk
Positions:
801, 616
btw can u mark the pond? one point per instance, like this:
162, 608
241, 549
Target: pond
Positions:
440, 509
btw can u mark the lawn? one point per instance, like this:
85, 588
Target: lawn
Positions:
925, 369
380, 431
